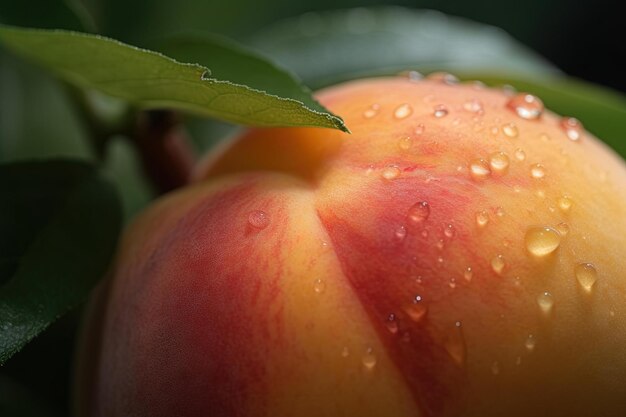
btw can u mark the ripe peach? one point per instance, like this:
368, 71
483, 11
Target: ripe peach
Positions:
459, 254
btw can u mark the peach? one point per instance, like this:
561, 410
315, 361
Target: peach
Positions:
459, 254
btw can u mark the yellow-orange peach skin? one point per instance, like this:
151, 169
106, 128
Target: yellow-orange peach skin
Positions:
461, 253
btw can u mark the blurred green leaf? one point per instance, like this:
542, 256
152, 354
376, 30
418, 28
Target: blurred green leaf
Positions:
155, 81
50, 14
601, 110
59, 222
323, 48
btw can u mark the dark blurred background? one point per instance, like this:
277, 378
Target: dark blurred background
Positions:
583, 38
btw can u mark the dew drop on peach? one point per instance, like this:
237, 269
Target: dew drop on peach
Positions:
419, 129
417, 309
565, 203
530, 343
510, 130
537, 171
442, 77
258, 219
480, 169
526, 106
413, 76
545, 301
405, 143
520, 155
542, 241
418, 213
455, 344
449, 231
319, 286
473, 106
371, 111
482, 218
499, 162
440, 111
369, 359
390, 172
586, 275
400, 233
468, 274
402, 111
572, 127
498, 264
392, 324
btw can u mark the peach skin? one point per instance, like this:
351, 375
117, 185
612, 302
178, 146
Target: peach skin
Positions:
460, 254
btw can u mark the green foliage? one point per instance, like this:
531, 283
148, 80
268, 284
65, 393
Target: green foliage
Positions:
152, 80
59, 223
324, 48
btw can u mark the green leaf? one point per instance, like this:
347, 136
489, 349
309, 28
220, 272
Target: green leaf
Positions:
228, 60
59, 222
152, 80
323, 48
601, 110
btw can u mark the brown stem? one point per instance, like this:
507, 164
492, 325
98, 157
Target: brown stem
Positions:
163, 146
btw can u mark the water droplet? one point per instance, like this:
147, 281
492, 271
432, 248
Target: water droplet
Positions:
345, 352
419, 129
443, 77
468, 274
369, 359
509, 90
371, 111
510, 130
482, 218
419, 212
495, 368
400, 232
526, 106
455, 344
402, 111
392, 324
498, 264
319, 286
562, 228
480, 169
449, 231
440, 244
565, 203
542, 241
500, 212
545, 302
499, 161
440, 111
473, 106
520, 155
537, 171
405, 143
586, 275
391, 172
258, 219
413, 76
572, 127
452, 283
417, 309
530, 343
